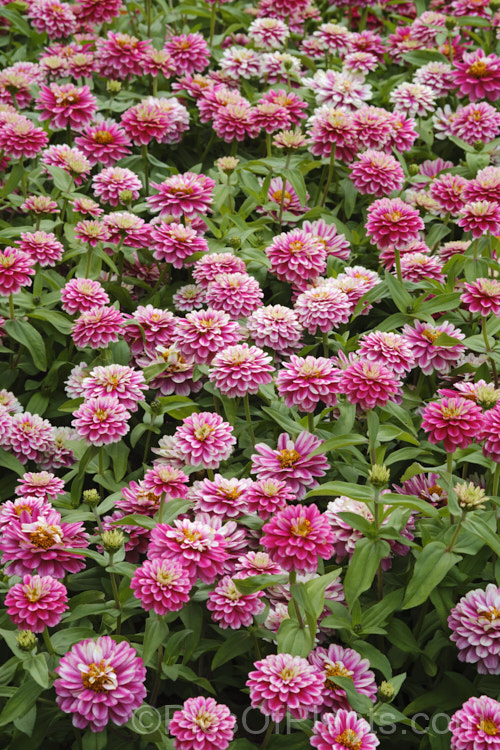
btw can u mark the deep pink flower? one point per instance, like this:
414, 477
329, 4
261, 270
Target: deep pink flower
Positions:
448, 190
482, 296
80, 295
429, 356
296, 536
480, 218
16, 267
485, 186
341, 730
377, 173
230, 608
291, 462
66, 104
478, 76
276, 327
265, 496
104, 141
473, 622
476, 122
296, 256
393, 222
36, 603
40, 541
10, 511
183, 194
237, 294
221, 496
158, 327
189, 52
369, 384
112, 181
289, 100
100, 682
120, 381
337, 661
161, 585
281, 683
173, 243
40, 484
97, 11
201, 334
211, 265
205, 439
59, 453
455, 421
72, 160
101, 420
202, 724
305, 382
197, 546
490, 433
167, 480
145, 122
235, 122
20, 139
29, 436
43, 247
324, 307
388, 348
177, 373
40, 204
333, 128
97, 327
240, 369
421, 267
476, 725
54, 17
121, 55
87, 207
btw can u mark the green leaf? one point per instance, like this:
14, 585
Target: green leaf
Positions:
257, 583
55, 318
64, 639
28, 336
400, 296
316, 588
400, 635
355, 491
10, 462
379, 613
444, 339
338, 442
360, 703
24, 697
135, 519
479, 527
235, 645
291, 427
62, 180
294, 640
155, 634
363, 566
37, 667
433, 563
377, 659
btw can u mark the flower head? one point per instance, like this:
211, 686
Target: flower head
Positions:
232, 609
120, 381
36, 603
276, 327
205, 439
305, 382
476, 725
431, 356
97, 327
66, 104
202, 724
393, 222
377, 173
201, 334
455, 421
480, 218
240, 369
101, 420
337, 661
478, 76
296, 257
369, 384
183, 194
296, 536
343, 730
80, 295
16, 267
162, 585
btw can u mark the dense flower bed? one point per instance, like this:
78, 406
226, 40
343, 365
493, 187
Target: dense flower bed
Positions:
249, 405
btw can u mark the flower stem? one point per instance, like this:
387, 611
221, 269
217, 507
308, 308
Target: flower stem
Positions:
449, 463
11, 306
47, 641
246, 404
267, 737
488, 349
292, 578
310, 422
212, 23
162, 505
331, 168
269, 150
496, 480
397, 260
326, 347
89, 260
116, 596
376, 519
146, 168
455, 535
101, 471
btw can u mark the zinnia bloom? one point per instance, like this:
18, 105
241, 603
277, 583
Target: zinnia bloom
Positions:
296, 536
377, 173
201, 334
455, 421
104, 141
490, 433
276, 327
388, 348
80, 295
66, 104
291, 462
20, 139
342, 730
324, 307
40, 484
282, 683
230, 608
429, 356
265, 496
240, 369
478, 76
474, 625
447, 190
205, 439
100, 682
369, 384
221, 497
162, 585
304, 382
189, 52
121, 55
36, 603
183, 194
121, 381
97, 327
482, 296
337, 661
237, 294
211, 265
480, 218
173, 243
202, 724
43, 247
393, 222
112, 181
296, 257
28, 436
101, 420
167, 480
16, 267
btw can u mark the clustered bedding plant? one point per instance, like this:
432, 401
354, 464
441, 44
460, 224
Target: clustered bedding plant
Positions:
249, 405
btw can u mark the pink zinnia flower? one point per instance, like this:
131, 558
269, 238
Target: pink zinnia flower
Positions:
57, 19
173, 243
183, 194
478, 76
98, 11
485, 186
199, 548
100, 682
205, 439
43, 247
337, 661
66, 104
265, 496
91, 232
167, 480
393, 222
230, 608
87, 207
324, 307
202, 724
304, 382
97, 327
120, 381
145, 122
29, 436
40, 204
104, 141
276, 327
237, 294
414, 99
290, 200
211, 265
281, 683
222, 497
235, 122
268, 33
161, 585
377, 173
295, 256
101, 420
256, 563
188, 298
476, 122
420, 267
447, 190
333, 128
342, 730
11, 511
36, 603
482, 296
455, 421
240, 369
473, 622
158, 327
112, 181
72, 160
429, 356
189, 52
296, 536
20, 139
476, 725
490, 433
480, 218
202, 334
40, 484
292, 102
41, 542
291, 462
369, 384
80, 295
121, 55
16, 267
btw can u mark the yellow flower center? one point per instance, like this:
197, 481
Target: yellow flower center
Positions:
101, 414
6, 260
288, 458
393, 215
191, 536
296, 246
288, 673
34, 592
490, 615
478, 69
98, 677
203, 431
431, 334
349, 739
302, 527
102, 136
204, 719
488, 727
164, 577
46, 536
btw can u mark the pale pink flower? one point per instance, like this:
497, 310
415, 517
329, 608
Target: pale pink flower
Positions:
101, 420
40, 484
240, 369
209, 266
388, 348
305, 382
202, 334
112, 181
324, 307
276, 327
205, 439
97, 327
429, 356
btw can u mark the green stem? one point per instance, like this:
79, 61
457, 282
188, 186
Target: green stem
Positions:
212, 23
157, 682
331, 168
376, 519
246, 404
455, 535
101, 471
162, 505
397, 260
11, 306
144, 150
121, 258
116, 596
310, 422
269, 145
89, 260
210, 474
146, 447
98, 521
292, 578
148, 16
326, 347
449, 462
489, 350
496, 480
48, 642
267, 737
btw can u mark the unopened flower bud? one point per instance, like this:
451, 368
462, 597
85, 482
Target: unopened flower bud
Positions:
379, 475
227, 164
386, 692
487, 395
155, 405
114, 87
91, 498
234, 242
113, 540
288, 64
470, 496
413, 169
36, 299
26, 640
478, 145
450, 23
126, 196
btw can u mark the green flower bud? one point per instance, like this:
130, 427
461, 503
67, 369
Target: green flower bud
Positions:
91, 498
470, 496
155, 405
26, 640
126, 196
234, 242
386, 692
114, 86
113, 540
379, 475
450, 23
478, 145
413, 169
